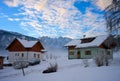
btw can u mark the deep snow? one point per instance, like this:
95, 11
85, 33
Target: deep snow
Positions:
68, 70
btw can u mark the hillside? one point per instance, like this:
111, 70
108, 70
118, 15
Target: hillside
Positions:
6, 38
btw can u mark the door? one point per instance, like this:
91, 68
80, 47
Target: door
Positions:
78, 55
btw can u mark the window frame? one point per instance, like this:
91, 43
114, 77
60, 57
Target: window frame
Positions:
22, 54
71, 52
34, 55
88, 52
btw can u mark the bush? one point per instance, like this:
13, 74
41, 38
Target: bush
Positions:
52, 68
85, 62
50, 57
8, 64
101, 60
20, 64
34, 62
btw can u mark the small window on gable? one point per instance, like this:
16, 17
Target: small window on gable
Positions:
88, 52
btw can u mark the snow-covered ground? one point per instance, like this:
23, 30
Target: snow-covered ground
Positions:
68, 70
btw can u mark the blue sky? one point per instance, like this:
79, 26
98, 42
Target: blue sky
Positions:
54, 18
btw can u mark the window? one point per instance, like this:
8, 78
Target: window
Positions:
108, 52
34, 55
78, 52
88, 52
15, 54
22, 54
38, 55
71, 52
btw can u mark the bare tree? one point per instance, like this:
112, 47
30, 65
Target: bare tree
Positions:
20, 64
112, 16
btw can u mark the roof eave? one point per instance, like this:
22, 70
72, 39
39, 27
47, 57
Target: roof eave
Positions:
87, 47
69, 45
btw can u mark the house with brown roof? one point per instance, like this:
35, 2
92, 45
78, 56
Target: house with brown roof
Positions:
25, 50
87, 48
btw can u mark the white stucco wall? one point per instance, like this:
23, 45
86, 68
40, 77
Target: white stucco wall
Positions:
27, 56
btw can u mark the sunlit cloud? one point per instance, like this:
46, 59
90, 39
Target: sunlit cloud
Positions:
12, 3
40, 5
102, 4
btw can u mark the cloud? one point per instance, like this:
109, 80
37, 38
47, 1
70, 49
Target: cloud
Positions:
12, 3
41, 5
102, 4
9, 18
14, 19
56, 18
94, 24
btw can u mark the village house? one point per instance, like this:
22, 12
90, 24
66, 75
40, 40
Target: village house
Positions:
1, 62
24, 50
87, 48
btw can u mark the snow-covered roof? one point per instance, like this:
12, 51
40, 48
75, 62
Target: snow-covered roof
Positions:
73, 42
26, 43
1, 56
95, 43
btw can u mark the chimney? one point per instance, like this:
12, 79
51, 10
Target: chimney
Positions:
84, 36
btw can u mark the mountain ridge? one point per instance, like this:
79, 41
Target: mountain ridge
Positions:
6, 37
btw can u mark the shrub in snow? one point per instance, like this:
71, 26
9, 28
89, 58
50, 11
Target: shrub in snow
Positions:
50, 57
101, 60
52, 68
7, 64
106, 61
85, 62
20, 64
34, 62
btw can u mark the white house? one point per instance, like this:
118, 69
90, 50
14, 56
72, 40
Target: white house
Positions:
89, 47
25, 50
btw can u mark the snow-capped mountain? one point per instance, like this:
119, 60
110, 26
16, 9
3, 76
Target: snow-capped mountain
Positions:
51, 43
6, 38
